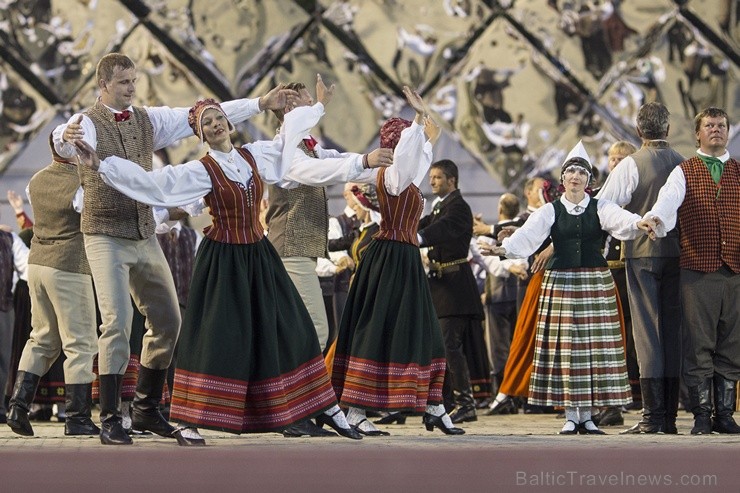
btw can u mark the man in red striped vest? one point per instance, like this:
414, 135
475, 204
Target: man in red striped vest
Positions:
703, 195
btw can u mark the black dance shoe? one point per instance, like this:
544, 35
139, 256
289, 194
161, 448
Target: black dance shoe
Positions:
463, 414
396, 417
574, 431
506, 406
323, 419
306, 428
585, 431
431, 421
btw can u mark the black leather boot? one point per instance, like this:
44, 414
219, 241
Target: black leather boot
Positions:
145, 414
725, 393
609, 416
111, 423
653, 407
20, 401
701, 405
465, 410
672, 392
78, 397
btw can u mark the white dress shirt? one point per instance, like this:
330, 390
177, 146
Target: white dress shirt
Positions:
169, 124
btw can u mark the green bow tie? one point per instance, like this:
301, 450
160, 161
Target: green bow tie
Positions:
715, 166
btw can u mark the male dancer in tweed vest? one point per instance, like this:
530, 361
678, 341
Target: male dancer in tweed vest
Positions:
703, 192
125, 258
62, 302
447, 233
298, 218
652, 272
298, 221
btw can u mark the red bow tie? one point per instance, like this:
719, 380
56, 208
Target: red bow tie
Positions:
122, 116
310, 143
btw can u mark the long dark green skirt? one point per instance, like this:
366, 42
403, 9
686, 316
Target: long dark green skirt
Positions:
390, 355
248, 359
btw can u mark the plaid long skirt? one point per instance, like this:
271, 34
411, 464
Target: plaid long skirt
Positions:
579, 353
248, 360
390, 354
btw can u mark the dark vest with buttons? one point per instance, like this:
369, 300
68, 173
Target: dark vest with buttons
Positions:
709, 219
655, 160
298, 219
7, 267
578, 240
106, 210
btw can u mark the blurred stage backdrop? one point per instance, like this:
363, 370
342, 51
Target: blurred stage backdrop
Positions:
515, 83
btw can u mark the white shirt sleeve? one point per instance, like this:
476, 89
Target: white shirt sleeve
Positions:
171, 124
619, 223
320, 172
621, 183
670, 198
170, 186
20, 257
67, 149
411, 160
527, 239
325, 267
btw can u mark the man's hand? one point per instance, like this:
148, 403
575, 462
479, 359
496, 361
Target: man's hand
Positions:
505, 232
519, 271
278, 98
431, 129
345, 263
487, 247
541, 259
649, 225
323, 95
16, 201
176, 213
479, 227
87, 155
380, 158
414, 100
73, 131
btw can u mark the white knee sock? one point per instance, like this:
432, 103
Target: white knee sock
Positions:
439, 410
571, 417
358, 417
338, 416
584, 414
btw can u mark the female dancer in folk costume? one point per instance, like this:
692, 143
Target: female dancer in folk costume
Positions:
389, 353
249, 360
579, 359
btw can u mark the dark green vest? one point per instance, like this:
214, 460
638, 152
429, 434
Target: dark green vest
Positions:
578, 240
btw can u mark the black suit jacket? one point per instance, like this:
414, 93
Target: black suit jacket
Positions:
447, 234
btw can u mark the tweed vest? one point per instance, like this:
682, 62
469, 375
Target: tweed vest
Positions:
7, 266
106, 210
400, 214
655, 160
57, 241
578, 240
179, 250
298, 219
708, 218
234, 207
